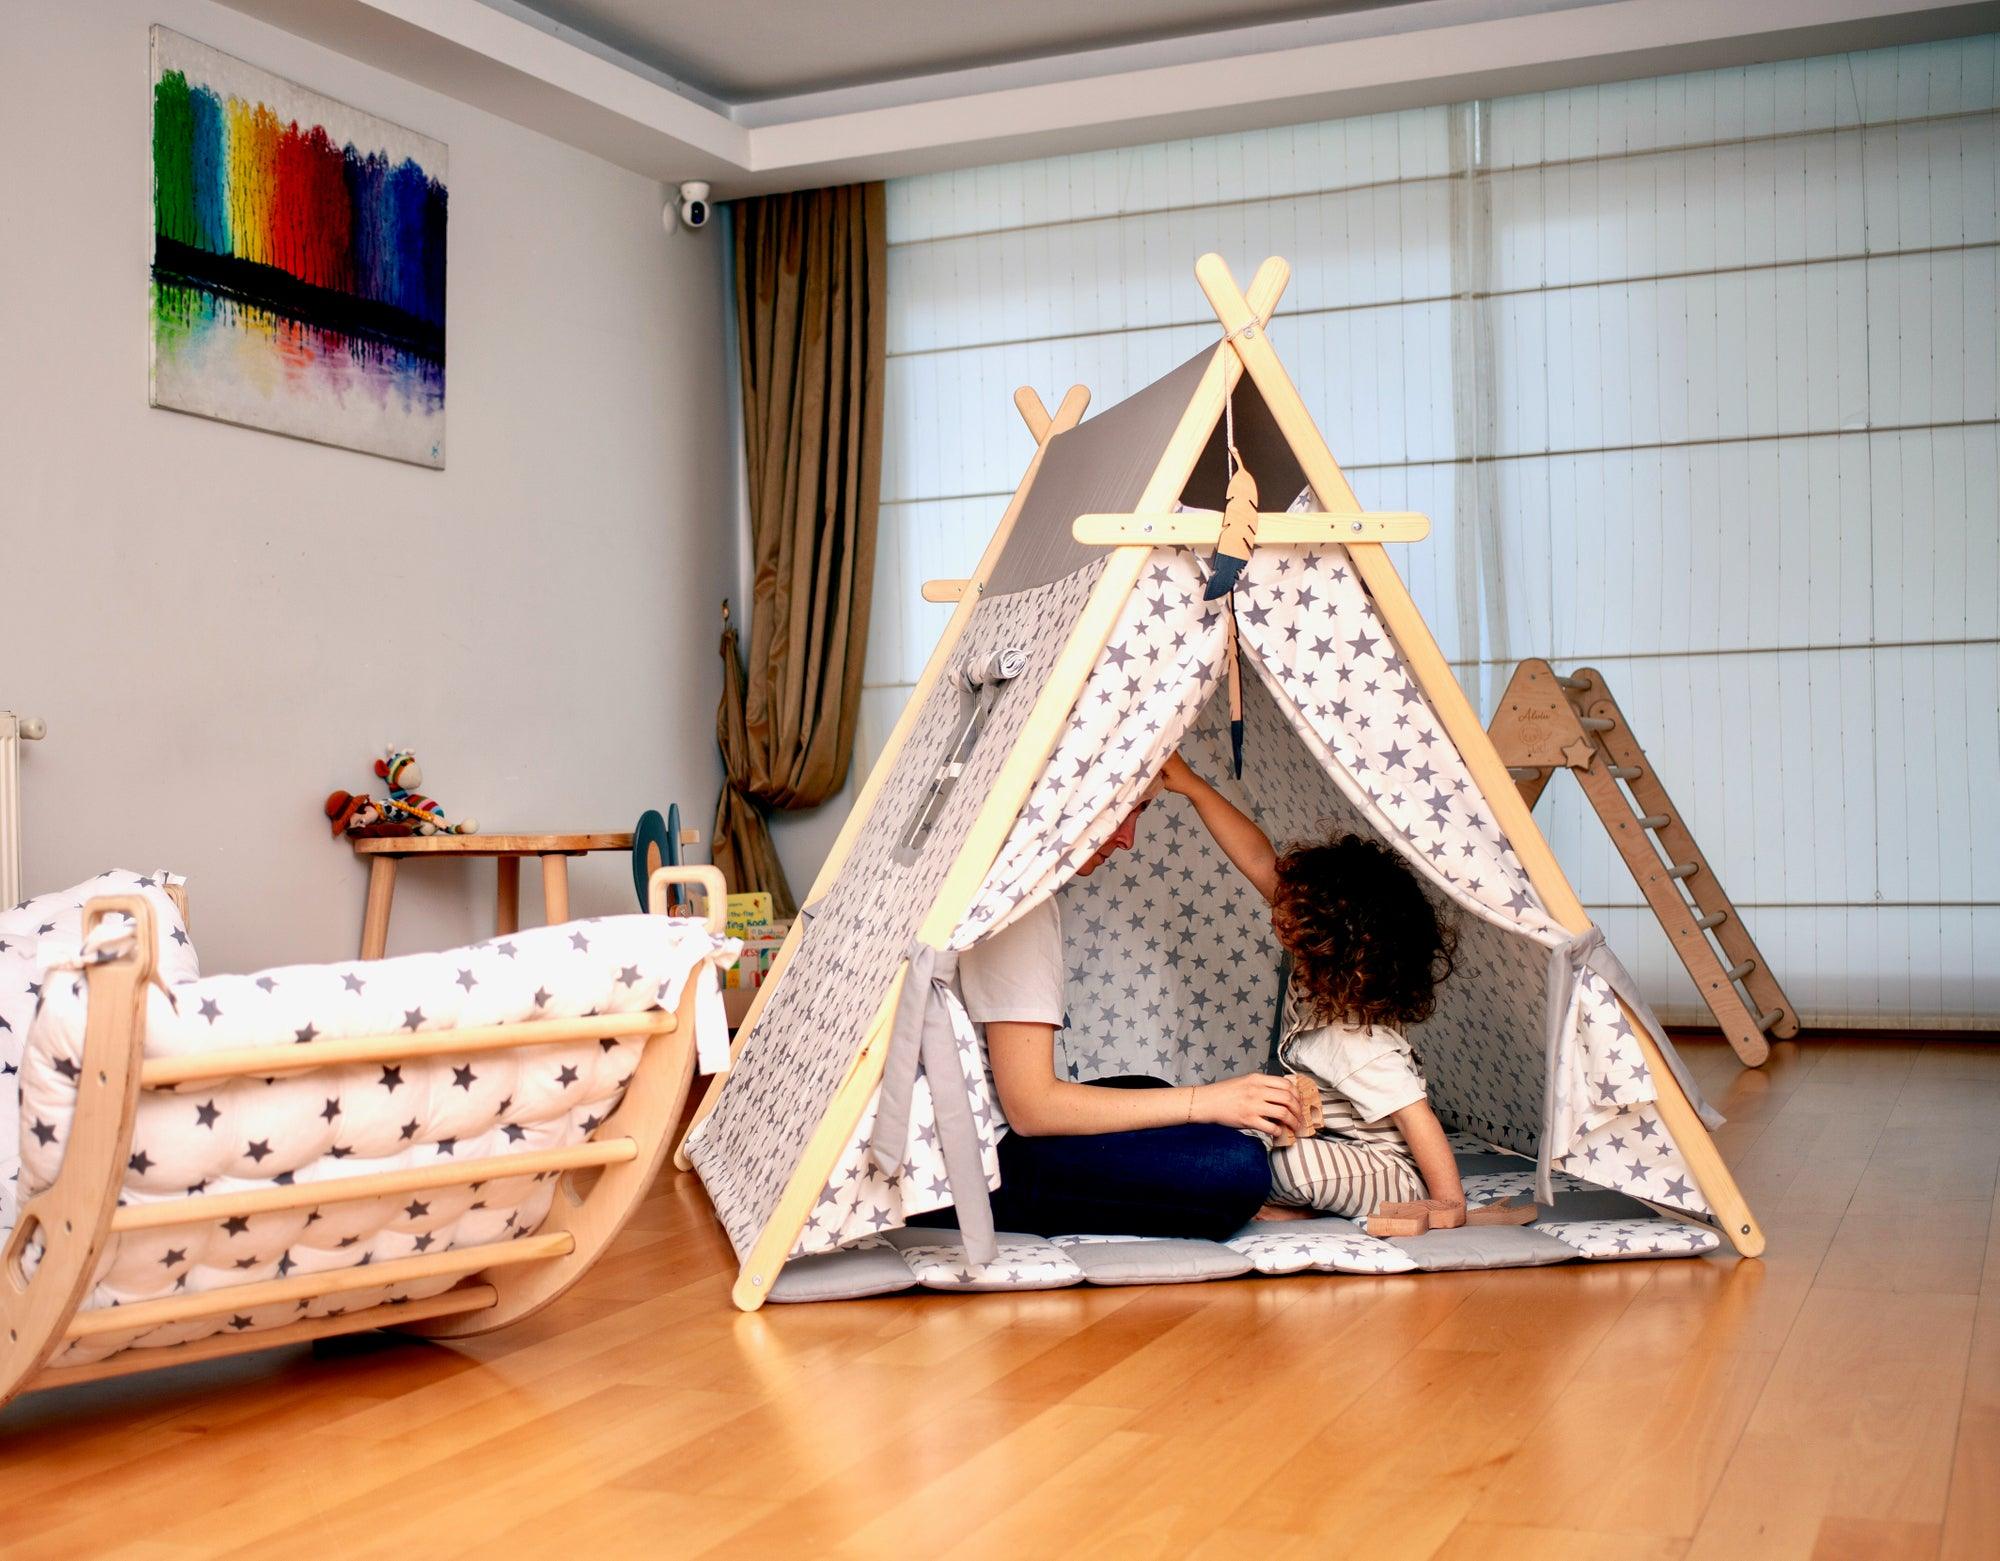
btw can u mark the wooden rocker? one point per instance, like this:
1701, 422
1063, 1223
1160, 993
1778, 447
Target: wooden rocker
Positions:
51, 1262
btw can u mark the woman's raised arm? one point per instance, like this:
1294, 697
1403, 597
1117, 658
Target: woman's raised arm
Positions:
1241, 840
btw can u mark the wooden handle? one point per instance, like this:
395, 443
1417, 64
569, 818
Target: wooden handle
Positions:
707, 879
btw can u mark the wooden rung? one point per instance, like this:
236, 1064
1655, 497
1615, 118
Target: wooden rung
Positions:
943, 590
1738, 972
145, 1315
1624, 772
1683, 870
1573, 685
380, 1184
1523, 772
1767, 1019
1656, 821
1711, 921
1596, 723
218, 1346
163, 1072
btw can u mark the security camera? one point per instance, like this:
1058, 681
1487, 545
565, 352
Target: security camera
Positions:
695, 205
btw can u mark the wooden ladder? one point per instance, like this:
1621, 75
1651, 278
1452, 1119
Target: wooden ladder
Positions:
1548, 722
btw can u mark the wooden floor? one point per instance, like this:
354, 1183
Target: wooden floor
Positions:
1840, 1398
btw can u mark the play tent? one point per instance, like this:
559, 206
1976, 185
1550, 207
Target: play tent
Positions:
1081, 653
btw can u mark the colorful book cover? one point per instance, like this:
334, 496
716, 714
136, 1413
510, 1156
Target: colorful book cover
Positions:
748, 915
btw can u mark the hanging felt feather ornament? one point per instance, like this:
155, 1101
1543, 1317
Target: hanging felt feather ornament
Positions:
1239, 531
1235, 701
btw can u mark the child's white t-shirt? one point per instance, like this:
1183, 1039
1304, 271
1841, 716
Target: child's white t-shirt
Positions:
1364, 1075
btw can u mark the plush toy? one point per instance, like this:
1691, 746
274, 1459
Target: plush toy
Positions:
399, 769
360, 816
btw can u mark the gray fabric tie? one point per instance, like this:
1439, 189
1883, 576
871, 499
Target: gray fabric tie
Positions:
922, 1040
1567, 962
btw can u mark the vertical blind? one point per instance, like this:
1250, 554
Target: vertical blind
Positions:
1696, 377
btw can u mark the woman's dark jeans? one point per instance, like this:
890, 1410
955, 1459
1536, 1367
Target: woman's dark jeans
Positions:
1196, 1179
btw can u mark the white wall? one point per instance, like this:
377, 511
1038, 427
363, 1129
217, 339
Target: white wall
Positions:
220, 626
1696, 377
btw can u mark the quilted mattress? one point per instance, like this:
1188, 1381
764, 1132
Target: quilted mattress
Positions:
244, 1133
1585, 1223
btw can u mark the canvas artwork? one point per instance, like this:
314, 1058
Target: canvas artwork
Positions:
298, 259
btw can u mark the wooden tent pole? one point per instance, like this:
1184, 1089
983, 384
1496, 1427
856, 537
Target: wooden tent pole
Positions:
1461, 723
1068, 414
1009, 794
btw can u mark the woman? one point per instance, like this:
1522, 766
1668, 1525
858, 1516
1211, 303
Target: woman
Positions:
1125, 1156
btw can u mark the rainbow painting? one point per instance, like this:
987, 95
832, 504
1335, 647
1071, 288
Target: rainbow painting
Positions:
298, 259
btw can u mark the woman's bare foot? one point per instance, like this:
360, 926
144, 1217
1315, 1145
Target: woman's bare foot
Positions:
1281, 1211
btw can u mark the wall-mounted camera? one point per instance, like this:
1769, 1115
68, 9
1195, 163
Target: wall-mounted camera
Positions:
693, 211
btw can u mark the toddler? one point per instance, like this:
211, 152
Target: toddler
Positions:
1368, 950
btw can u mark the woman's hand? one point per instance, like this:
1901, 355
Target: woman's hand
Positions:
1261, 1101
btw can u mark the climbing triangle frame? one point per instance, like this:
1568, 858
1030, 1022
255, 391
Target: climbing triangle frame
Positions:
1546, 722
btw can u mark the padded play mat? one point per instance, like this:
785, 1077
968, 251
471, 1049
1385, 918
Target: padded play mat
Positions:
1585, 1223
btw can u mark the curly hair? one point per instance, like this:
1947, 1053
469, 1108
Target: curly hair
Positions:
1367, 945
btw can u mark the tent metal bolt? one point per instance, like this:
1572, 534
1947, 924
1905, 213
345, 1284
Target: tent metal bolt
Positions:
1354, 525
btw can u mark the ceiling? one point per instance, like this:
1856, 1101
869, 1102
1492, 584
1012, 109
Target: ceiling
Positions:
776, 48
759, 95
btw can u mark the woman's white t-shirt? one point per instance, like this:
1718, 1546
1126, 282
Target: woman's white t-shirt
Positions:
1018, 973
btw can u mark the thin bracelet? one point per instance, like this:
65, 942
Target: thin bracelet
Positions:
1190, 1115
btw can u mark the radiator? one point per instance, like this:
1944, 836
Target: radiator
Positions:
14, 730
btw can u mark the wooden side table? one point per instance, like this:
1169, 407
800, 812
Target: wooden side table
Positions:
382, 853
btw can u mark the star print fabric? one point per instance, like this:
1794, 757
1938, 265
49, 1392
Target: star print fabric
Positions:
1173, 970
56, 920
239, 1134
817, 1016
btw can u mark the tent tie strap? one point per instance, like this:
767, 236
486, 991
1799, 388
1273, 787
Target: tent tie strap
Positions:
1568, 961
922, 1041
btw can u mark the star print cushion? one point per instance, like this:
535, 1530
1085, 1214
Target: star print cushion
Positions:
23, 929
237, 1134
1630, 1238
59, 914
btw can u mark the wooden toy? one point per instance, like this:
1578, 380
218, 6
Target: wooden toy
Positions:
1521, 1213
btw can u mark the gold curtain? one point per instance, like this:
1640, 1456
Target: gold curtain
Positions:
811, 312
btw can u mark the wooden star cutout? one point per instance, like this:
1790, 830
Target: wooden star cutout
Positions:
1579, 754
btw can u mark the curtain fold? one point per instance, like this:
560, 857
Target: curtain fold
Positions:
811, 315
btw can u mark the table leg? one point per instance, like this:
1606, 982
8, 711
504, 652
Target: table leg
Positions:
507, 899
375, 915
555, 889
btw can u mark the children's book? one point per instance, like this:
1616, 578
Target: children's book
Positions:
749, 915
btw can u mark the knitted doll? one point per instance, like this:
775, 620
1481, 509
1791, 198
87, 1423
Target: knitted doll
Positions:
399, 770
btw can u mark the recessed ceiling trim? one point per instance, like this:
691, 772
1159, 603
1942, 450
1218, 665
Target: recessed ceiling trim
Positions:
1245, 78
